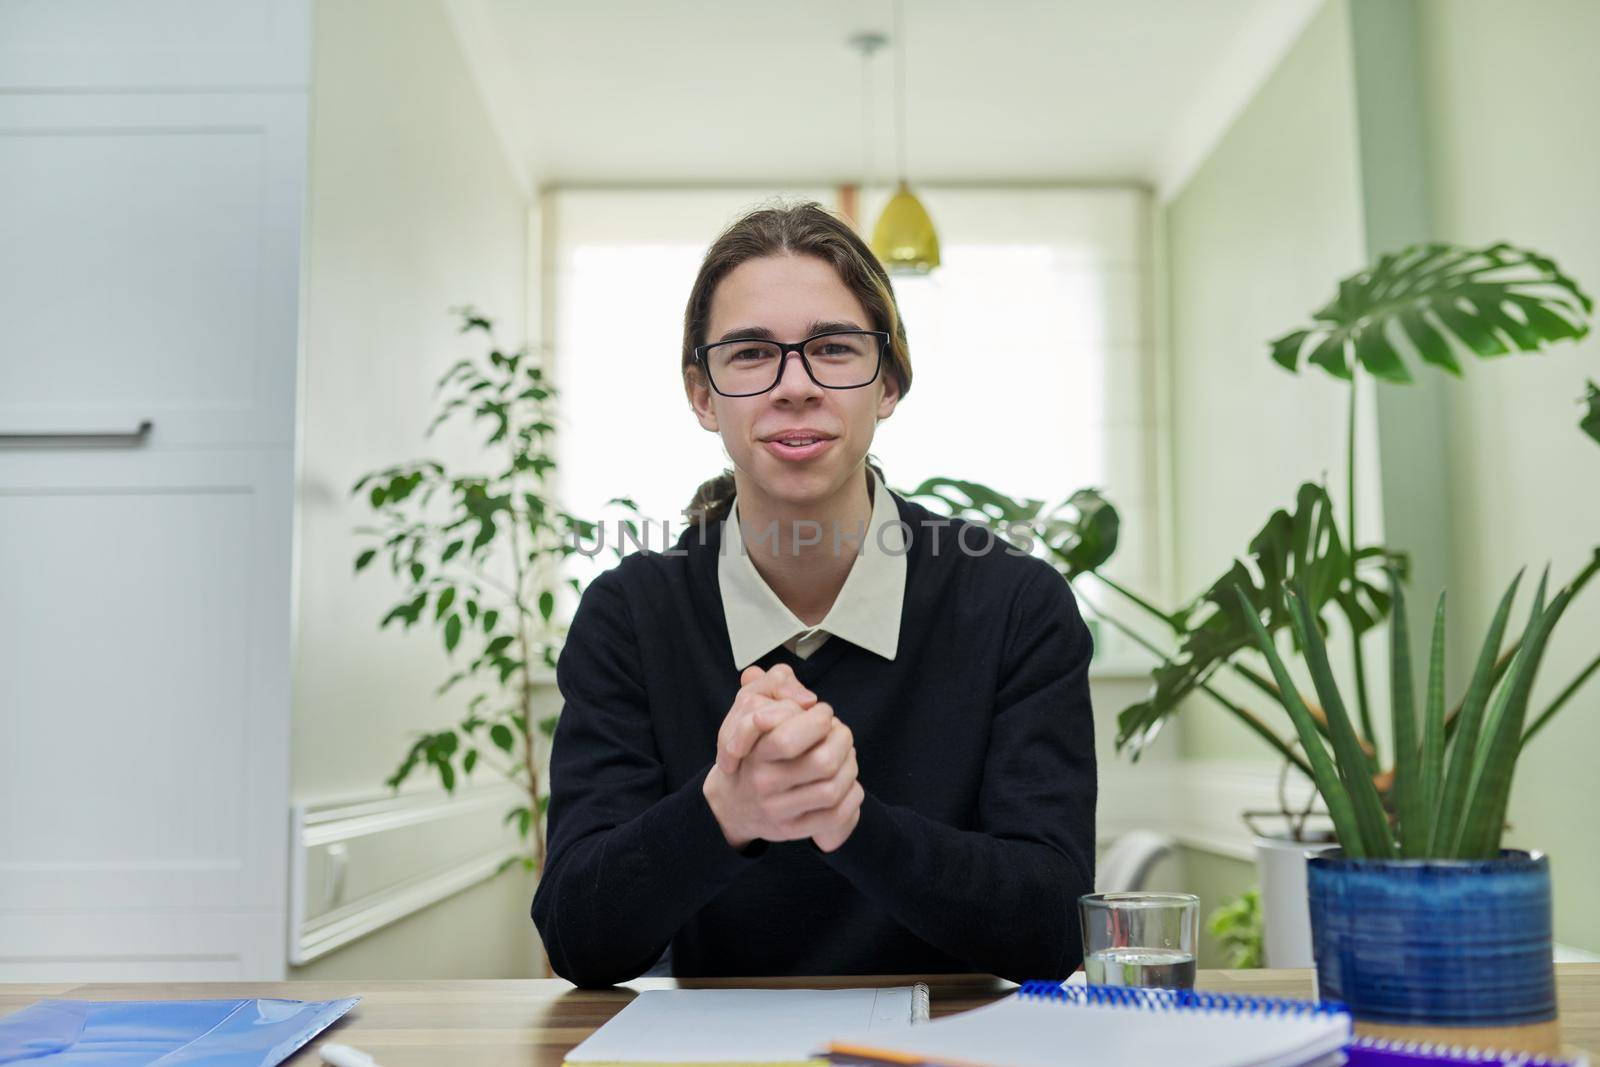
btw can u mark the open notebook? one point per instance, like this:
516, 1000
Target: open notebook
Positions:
1045, 1024
746, 1027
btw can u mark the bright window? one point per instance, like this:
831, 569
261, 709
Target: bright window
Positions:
1029, 347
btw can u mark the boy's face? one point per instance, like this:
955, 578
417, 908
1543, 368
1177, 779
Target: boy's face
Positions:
794, 297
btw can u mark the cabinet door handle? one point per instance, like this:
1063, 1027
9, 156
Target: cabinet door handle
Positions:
80, 437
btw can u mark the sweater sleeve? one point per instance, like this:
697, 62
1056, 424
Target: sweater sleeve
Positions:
1004, 897
628, 862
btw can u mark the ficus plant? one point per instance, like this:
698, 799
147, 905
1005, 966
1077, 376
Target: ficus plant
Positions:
478, 556
1435, 305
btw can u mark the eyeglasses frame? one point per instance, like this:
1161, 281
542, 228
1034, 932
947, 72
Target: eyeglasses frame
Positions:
797, 347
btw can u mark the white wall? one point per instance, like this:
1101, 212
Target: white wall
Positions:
1255, 241
412, 211
1510, 92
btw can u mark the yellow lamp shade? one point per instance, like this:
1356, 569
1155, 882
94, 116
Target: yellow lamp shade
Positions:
904, 239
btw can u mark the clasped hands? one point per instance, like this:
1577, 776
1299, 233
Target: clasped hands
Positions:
786, 767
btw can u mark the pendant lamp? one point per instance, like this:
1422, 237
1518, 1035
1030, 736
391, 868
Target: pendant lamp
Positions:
904, 238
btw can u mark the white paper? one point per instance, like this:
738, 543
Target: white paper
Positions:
742, 1025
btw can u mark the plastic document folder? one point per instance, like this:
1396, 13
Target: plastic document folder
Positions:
1377, 1052
1046, 1024
168, 1033
732, 1027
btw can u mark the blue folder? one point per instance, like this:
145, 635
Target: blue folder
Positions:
145, 1033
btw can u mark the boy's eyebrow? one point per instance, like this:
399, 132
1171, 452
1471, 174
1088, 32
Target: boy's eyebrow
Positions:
828, 326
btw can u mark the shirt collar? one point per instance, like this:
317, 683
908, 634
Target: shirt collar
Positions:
865, 613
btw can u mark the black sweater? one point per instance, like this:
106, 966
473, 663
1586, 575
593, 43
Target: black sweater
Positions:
975, 747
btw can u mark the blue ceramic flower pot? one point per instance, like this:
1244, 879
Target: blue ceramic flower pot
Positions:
1435, 942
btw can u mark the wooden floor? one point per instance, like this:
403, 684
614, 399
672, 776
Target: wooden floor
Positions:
534, 1023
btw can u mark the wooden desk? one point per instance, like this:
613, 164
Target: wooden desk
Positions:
534, 1023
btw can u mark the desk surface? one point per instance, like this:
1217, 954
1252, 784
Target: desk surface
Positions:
533, 1023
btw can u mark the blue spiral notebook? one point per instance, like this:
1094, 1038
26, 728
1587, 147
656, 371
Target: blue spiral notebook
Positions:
142, 1033
1048, 1024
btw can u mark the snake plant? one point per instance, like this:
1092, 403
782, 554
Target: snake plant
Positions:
1452, 774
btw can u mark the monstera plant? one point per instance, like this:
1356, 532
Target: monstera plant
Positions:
1432, 305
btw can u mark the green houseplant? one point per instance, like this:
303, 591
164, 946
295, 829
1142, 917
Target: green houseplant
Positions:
1237, 926
1421, 919
478, 557
1429, 305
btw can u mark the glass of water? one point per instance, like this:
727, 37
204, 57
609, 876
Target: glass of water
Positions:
1140, 939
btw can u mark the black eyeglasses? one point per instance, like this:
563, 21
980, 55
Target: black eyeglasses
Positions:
749, 366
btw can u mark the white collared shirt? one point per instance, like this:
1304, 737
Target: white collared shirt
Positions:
866, 612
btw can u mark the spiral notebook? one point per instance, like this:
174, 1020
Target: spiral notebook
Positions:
1046, 1024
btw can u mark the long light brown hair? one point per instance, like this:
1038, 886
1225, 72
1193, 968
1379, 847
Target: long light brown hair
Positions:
803, 228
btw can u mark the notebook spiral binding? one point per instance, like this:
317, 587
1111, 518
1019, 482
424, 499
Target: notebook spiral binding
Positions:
1454, 1053
1177, 1000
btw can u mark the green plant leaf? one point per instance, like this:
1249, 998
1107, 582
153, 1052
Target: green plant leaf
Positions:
1213, 628
1080, 533
1324, 773
443, 603
469, 761
1490, 790
1491, 300
365, 558
1354, 771
1462, 748
502, 736
452, 632
472, 320
547, 605
450, 551
1590, 423
547, 725
1433, 732
1408, 787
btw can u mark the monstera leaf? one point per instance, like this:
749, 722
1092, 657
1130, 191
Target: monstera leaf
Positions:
1080, 532
1590, 423
1303, 545
1490, 301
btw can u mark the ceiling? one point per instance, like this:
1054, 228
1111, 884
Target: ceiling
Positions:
611, 91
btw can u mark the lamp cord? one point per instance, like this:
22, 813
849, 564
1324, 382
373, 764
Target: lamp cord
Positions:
866, 118
900, 88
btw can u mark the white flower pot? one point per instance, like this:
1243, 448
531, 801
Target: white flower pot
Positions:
1281, 868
